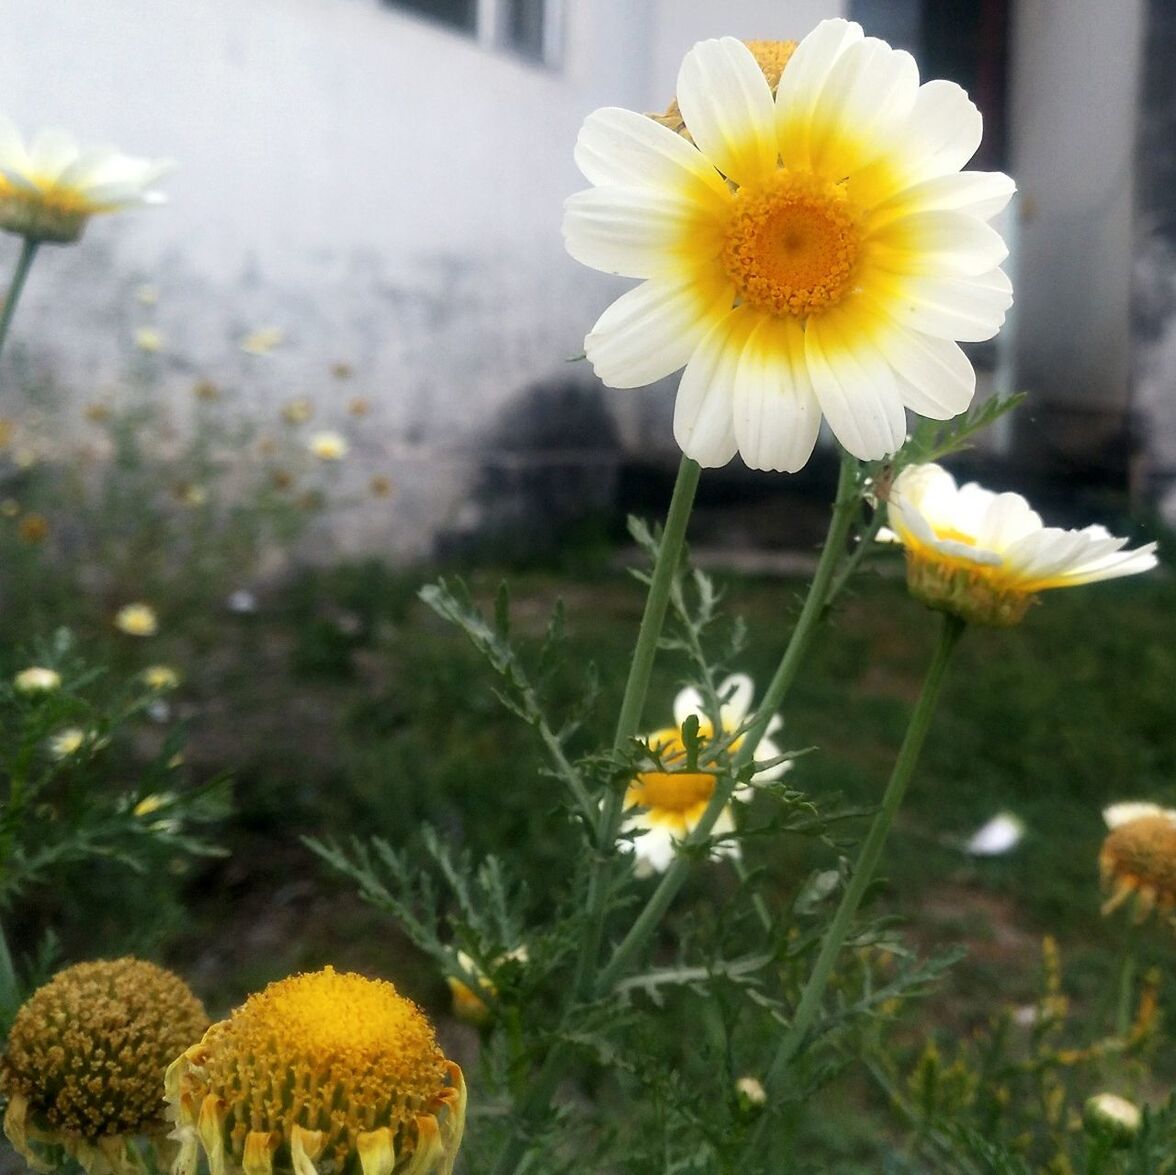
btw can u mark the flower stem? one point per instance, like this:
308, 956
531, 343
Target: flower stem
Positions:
669, 556
844, 508
1124, 1004
28, 251
908, 756
9, 987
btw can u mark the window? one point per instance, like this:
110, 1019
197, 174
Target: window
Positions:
526, 28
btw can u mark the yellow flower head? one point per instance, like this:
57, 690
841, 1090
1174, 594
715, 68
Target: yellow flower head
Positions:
67, 742
160, 677
328, 446
327, 1067
33, 528
37, 680
666, 804
469, 1005
51, 187
380, 486
263, 340
1138, 858
148, 339
985, 556
358, 406
84, 1069
206, 390
137, 620
807, 246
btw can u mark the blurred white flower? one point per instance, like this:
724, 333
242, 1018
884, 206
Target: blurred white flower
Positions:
328, 446
998, 836
262, 341
50, 187
37, 680
67, 742
242, 601
137, 620
148, 339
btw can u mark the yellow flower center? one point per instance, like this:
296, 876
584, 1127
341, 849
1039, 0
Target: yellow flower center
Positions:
671, 793
792, 244
328, 1051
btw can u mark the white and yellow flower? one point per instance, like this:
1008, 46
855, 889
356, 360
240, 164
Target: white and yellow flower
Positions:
50, 187
664, 806
812, 250
137, 620
985, 556
37, 679
328, 446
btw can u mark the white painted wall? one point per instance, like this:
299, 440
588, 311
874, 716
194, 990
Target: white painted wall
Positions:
1073, 118
382, 189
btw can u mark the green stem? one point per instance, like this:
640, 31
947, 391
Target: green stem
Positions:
9, 986
669, 556
908, 756
844, 508
28, 251
1125, 1002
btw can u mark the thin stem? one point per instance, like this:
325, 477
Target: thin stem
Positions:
1124, 1004
9, 987
28, 251
844, 508
904, 766
669, 556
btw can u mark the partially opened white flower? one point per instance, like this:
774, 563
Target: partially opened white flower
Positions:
985, 556
1137, 861
1127, 810
808, 250
50, 187
664, 807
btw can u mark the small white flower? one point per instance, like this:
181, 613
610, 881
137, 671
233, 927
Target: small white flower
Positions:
242, 601
328, 446
67, 742
37, 680
666, 806
52, 186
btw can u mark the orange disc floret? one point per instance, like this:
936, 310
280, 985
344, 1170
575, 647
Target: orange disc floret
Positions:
84, 1067
326, 1066
1138, 860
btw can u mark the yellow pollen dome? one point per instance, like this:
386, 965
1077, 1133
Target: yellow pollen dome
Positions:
1138, 860
791, 244
84, 1068
323, 1068
673, 798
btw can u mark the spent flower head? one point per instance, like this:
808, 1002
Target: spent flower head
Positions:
666, 803
327, 1068
808, 246
1137, 862
84, 1067
50, 187
985, 556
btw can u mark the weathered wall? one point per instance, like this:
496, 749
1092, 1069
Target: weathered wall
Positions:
1072, 127
384, 191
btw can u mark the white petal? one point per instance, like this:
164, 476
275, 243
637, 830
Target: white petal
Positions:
998, 836
1128, 810
638, 232
1006, 519
618, 146
51, 152
12, 147
653, 330
703, 415
766, 751
936, 379
943, 131
735, 694
856, 390
777, 416
968, 309
727, 106
803, 80
689, 701
863, 107
941, 244
981, 194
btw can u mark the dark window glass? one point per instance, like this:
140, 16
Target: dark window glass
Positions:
459, 14
523, 29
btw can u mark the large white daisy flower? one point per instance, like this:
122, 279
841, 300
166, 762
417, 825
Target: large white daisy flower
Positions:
810, 251
985, 556
50, 187
665, 806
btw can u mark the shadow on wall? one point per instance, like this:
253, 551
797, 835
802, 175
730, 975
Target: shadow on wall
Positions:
548, 472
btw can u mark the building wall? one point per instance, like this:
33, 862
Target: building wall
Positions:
1074, 81
383, 190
